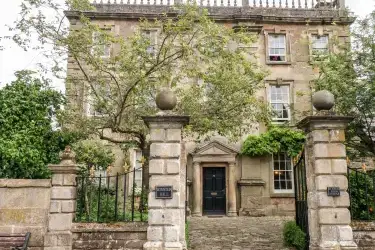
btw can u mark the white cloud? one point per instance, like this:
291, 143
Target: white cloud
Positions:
13, 58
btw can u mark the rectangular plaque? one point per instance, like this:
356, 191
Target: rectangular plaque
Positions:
333, 191
163, 192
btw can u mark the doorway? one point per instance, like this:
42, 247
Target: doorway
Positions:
214, 202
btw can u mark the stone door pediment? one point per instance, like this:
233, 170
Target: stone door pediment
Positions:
215, 148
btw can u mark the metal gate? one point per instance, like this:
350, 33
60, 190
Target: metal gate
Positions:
300, 189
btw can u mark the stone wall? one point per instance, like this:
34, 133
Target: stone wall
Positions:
109, 236
364, 234
24, 207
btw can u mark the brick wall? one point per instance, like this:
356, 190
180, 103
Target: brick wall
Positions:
109, 236
364, 234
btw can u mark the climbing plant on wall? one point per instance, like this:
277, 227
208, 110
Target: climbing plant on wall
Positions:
276, 139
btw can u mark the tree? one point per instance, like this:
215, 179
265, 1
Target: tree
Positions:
27, 140
207, 64
350, 75
93, 154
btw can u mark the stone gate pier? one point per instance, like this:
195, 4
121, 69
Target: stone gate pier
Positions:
328, 214
166, 197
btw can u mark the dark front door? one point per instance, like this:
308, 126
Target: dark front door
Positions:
214, 191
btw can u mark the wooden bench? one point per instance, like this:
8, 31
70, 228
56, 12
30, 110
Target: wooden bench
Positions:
14, 241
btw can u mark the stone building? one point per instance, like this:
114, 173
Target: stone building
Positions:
291, 32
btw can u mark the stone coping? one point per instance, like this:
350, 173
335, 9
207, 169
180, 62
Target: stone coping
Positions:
363, 225
109, 227
23, 183
246, 13
323, 122
182, 119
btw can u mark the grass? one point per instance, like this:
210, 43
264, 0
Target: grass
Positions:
187, 234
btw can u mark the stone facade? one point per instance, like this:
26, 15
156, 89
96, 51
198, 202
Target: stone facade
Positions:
328, 216
166, 217
364, 234
249, 181
24, 206
109, 236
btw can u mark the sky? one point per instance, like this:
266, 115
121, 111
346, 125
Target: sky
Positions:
13, 58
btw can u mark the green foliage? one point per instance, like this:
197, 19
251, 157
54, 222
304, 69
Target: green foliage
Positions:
93, 153
27, 140
187, 237
349, 75
362, 201
276, 139
293, 236
209, 66
88, 201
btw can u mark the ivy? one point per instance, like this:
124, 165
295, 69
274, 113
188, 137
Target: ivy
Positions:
276, 139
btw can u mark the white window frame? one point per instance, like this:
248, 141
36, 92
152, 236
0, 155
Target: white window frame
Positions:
152, 36
138, 169
320, 50
282, 191
105, 48
275, 119
90, 107
276, 46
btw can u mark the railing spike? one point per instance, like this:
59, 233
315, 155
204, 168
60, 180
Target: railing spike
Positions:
267, 4
221, 2
299, 4
273, 4
228, 3
235, 3
286, 4
293, 5
260, 4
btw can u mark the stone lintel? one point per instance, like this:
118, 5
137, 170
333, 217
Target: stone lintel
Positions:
63, 169
161, 120
235, 14
251, 182
311, 123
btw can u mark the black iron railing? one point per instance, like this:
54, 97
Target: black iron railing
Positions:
300, 189
361, 185
119, 197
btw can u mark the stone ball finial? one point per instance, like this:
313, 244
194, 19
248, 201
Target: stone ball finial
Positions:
67, 156
166, 99
323, 100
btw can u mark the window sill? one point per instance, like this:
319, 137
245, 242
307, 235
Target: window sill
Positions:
282, 195
278, 63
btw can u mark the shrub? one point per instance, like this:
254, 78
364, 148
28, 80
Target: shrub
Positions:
293, 236
276, 139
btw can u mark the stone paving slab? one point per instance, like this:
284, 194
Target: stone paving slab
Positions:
237, 233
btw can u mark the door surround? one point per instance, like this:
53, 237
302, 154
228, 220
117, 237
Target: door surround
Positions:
206, 166
214, 154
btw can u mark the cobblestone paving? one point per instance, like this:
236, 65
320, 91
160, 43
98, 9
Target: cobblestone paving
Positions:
239, 233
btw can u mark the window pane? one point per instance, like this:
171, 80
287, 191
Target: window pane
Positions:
283, 174
276, 184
